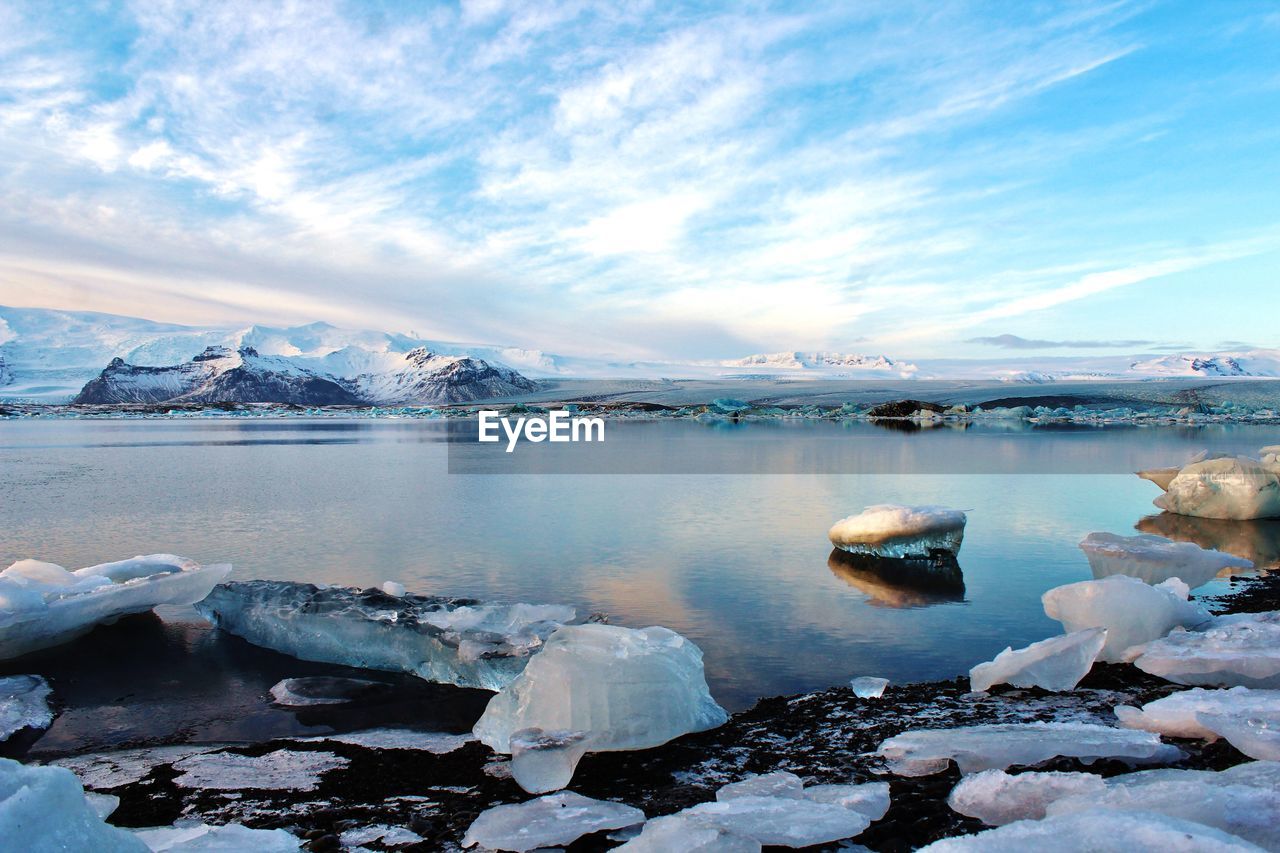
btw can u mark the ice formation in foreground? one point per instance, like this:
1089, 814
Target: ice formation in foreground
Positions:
454, 641
547, 822
1133, 612
889, 530
45, 809
598, 688
996, 798
195, 837
1241, 650
1155, 559
1057, 663
24, 703
774, 809
922, 752
868, 686
1177, 715
43, 605
1256, 734
1099, 831
1238, 488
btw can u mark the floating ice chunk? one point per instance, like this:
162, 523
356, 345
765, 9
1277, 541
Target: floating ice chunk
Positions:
324, 690
103, 805
1099, 831
921, 752
24, 703
195, 837
777, 784
1256, 734
1176, 714
281, 770
106, 770
996, 798
1057, 663
1238, 488
547, 822
543, 761
623, 688
870, 798
1238, 650
889, 530
1133, 612
682, 833
393, 588
1155, 559
782, 821
433, 742
387, 836
43, 605
439, 639
868, 686
44, 809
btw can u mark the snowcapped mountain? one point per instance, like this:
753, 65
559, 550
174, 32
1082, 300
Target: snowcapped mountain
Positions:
831, 364
1252, 363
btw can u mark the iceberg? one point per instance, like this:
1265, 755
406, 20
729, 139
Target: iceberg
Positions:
548, 821
996, 798
619, 688
45, 809
1177, 715
1057, 663
24, 704
889, 530
998, 746
868, 686
1155, 559
1238, 488
1242, 650
453, 641
43, 605
1098, 831
1133, 612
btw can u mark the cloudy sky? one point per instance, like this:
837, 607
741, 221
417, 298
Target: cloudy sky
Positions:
654, 179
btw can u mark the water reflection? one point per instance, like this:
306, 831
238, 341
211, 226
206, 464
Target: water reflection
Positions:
1257, 540
900, 583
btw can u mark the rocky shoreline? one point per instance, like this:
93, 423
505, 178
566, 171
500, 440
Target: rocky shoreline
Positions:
403, 791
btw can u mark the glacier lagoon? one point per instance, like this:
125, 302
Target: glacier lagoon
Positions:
736, 562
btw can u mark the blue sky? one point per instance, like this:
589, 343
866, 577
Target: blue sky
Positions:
655, 179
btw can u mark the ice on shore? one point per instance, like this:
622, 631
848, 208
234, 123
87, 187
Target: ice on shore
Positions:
1155, 559
868, 686
681, 833
45, 809
445, 640
1238, 488
1242, 650
1098, 831
196, 837
543, 761
1057, 663
1255, 733
996, 798
281, 770
24, 703
1133, 612
548, 821
617, 688
889, 530
922, 752
43, 605
1177, 715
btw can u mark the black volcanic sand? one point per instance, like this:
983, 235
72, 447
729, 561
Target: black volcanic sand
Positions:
827, 736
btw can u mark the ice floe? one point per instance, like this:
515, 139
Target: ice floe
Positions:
1099, 831
324, 690
868, 686
45, 809
24, 703
433, 742
280, 770
997, 746
43, 605
1057, 663
1155, 559
547, 822
1242, 650
1133, 612
196, 837
889, 530
106, 770
996, 797
1177, 715
1234, 487
445, 640
386, 836
621, 688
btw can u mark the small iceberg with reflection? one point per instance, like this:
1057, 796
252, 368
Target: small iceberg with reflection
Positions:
890, 530
900, 583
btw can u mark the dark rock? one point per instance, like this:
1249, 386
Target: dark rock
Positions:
903, 409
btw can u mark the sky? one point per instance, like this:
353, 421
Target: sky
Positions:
655, 180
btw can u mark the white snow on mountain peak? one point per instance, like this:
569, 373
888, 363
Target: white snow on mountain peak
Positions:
828, 362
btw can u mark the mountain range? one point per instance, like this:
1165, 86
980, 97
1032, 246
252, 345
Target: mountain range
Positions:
53, 356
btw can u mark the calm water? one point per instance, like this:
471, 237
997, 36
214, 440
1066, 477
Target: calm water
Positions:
737, 562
